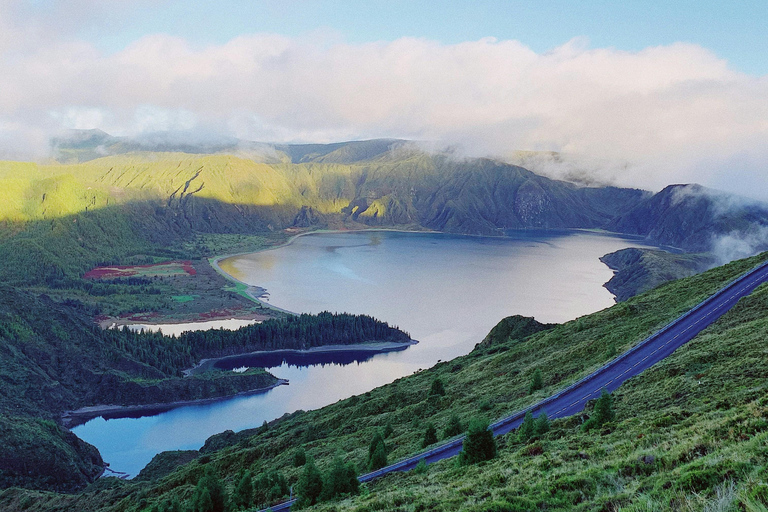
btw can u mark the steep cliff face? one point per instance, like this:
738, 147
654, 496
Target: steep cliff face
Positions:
694, 218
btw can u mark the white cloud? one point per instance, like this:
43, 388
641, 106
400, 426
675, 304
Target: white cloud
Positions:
665, 114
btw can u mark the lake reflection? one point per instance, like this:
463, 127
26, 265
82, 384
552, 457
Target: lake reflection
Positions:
446, 291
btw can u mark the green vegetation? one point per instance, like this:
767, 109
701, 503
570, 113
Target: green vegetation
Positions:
479, 444
537, 382
438, 388
602, 414
454, 427
377, 453
683, 430
639, 270
531, 428
54, 359
687, 433
430, 436
292, 332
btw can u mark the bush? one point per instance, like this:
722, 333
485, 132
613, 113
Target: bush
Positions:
268, 487
299, 457
430, 436
341, 479
479, 445
210, 495
437, 389
310, 485
243, 497
377, 453
454, 427
602, 413
537, 382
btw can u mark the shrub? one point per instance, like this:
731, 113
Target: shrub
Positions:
527, 428
377, 453
299, 457
479, 445
454, 427
243, 496
310, 485
430, 436
602, 414
537, 382
341, 479
437, 389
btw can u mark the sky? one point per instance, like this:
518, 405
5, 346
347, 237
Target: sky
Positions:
634, 93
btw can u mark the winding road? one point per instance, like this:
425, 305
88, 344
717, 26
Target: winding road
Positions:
634, 361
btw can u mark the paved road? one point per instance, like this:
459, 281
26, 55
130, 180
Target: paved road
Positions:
642, 356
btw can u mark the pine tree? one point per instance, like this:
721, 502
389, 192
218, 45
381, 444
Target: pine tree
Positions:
604, 408
243, 497
527, 428
454, 427
537, 382
310, 485
378, 457
377, 453
479, 445
542, 424
341, 479
202, 500
437, 389
430, 436
602, 413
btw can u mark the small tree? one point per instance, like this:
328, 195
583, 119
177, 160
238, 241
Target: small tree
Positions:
243, 497
430, 436
341, 479
201, 502
479, 445
210, 495
542, 424
454, 427
437, 389
299, 457
378, 457
310, 485
388, 430
377, 453
602, 413
527, 428
268, 487
537, 382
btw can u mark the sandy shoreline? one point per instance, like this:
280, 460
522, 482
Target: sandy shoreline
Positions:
77, 417
374, 347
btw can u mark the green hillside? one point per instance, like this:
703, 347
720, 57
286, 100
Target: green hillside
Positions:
53, 359
689, 433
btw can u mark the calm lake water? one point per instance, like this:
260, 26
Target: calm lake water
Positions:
446, 291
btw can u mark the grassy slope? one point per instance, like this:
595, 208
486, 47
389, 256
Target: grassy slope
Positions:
639, 270
700, 415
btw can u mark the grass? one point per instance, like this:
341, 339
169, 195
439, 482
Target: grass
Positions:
183, 298
690, 433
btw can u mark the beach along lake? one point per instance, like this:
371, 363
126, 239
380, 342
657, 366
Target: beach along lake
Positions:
447, 291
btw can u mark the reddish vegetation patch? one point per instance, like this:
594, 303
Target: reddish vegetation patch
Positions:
168, 268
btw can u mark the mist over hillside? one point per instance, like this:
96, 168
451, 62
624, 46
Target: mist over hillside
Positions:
392, 182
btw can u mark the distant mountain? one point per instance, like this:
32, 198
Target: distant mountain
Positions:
695, 218
162, 188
